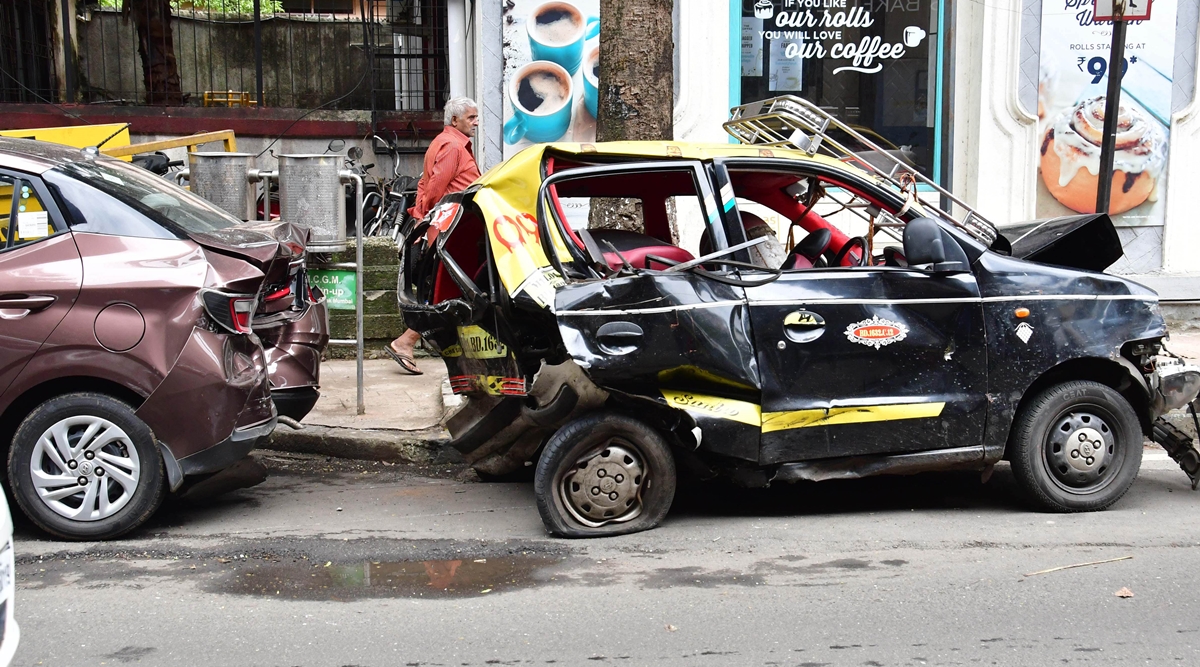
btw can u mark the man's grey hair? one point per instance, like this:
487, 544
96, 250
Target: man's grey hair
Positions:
458, 107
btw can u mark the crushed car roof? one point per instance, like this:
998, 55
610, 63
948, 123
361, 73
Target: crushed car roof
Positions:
507, 198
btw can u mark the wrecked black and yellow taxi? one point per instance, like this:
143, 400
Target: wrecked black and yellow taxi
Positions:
779, 310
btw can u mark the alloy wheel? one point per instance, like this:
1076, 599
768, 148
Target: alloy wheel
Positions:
85, 468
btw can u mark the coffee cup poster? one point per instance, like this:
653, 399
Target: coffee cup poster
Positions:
1072, 91
551, 67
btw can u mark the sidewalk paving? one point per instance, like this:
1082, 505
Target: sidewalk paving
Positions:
401, 422
403, 411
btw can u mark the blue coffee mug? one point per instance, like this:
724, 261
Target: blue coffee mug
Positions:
567, 53
539, 125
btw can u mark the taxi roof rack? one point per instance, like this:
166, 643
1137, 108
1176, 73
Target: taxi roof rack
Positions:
788, 121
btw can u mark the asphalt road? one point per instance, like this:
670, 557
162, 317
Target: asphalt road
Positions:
372, 565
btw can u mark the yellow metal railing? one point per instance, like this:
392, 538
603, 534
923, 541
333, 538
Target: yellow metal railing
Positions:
191, 141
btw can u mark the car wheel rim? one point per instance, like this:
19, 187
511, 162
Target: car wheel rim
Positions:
1081, 451
85, 468
605, 485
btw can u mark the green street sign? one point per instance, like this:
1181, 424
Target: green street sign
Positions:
337, 285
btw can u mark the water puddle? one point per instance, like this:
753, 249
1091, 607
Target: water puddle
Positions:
301, 579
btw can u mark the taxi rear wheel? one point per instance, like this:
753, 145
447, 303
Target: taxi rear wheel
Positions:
604, 474
1076, 447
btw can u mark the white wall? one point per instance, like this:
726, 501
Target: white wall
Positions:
995, 139
702, 79
1181, 238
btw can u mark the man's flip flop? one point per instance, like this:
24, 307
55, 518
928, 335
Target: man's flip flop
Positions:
406, 362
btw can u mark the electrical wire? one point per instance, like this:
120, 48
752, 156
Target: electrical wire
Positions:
44, 100
366, 71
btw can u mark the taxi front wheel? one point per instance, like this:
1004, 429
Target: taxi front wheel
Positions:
604, 474
1076, 447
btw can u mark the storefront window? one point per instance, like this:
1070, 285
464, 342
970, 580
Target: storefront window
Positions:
868, 62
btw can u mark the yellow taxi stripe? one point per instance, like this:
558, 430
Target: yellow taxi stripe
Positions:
752, 415
859, 414
715, 406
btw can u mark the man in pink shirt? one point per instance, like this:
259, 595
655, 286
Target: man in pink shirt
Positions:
449, 167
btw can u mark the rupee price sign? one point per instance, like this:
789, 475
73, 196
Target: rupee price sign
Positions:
338, 287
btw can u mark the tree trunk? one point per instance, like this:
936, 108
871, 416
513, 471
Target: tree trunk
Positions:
637, 83
156, 46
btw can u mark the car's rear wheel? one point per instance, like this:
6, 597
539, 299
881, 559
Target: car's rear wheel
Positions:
83, 467
604, 474
1076, 447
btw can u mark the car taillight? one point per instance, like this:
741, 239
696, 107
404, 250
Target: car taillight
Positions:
241, 310
232, 311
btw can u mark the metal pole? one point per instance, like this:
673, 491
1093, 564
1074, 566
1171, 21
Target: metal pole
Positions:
358, 286
258, 52
1112, 106
68, 52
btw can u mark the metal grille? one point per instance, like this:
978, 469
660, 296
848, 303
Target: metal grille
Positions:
26, 59
336, 54
412, 49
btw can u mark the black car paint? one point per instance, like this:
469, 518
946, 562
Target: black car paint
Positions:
705, 340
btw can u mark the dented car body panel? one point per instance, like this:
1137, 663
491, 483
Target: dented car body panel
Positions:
129, 317
830, 370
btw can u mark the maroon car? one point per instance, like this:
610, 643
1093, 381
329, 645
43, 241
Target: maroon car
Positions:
129, 359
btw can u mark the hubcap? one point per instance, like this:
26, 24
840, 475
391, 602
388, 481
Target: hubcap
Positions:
1081, 450
85, 468
605, 486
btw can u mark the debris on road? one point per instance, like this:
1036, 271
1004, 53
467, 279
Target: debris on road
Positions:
1124, 593
1068, 567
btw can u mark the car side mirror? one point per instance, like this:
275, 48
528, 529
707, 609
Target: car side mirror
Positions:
924, 247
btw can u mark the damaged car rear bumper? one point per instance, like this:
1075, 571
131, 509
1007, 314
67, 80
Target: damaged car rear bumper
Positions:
227, 376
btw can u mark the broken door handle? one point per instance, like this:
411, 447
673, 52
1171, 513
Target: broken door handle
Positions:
619, 337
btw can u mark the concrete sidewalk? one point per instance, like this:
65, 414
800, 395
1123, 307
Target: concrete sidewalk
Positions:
403, 411
402, 416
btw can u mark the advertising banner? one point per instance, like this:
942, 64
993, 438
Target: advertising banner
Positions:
865, 61
1072, 91
551, 68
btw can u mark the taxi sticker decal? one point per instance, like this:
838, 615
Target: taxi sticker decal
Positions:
1024, 332
876, 332
477, 343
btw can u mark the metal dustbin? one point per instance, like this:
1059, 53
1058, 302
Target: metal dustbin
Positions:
311, 194
221, 179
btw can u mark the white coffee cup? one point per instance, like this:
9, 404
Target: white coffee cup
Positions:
913, 35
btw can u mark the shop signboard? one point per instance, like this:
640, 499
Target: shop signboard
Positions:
1072, 91
551, 71
866, 62
338, 286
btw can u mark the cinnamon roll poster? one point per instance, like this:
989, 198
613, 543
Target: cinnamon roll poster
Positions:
1072, 91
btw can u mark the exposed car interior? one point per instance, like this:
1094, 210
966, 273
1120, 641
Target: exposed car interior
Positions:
808, 221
